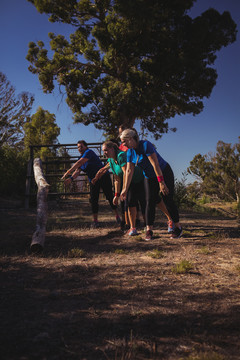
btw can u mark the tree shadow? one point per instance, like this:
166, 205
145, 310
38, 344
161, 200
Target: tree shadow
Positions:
76, 311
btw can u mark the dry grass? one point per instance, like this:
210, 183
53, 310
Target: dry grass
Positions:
96, 294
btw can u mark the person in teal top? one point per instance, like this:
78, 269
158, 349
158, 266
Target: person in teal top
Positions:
117, 162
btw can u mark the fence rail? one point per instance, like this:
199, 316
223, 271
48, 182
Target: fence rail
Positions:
59, 159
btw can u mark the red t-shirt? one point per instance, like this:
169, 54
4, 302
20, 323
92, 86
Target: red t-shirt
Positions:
123, 147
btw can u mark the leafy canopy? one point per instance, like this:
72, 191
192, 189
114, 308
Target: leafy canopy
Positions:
131, 59
14, 110
41, 129
219, 173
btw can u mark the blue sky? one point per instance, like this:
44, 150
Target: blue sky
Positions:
20, 23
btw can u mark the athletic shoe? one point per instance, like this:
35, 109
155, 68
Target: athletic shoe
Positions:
149, 235
177, 233
132, 232
171, 226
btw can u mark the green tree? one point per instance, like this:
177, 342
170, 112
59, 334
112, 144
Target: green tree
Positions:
41, 129
14, 110
219, 174
131, 59
13, 167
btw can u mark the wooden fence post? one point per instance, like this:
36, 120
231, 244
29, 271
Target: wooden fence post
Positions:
38, 238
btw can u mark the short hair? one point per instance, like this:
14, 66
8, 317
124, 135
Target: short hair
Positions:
129, 133
83, 142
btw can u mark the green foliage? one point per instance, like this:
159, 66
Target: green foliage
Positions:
181, 194
120, 251
238, 269
76, 253
128, 60
183, 267
155, 254
204, 200
204, 250
14, 110
194, 191
41, 129
218, 174
205, 356
13, 169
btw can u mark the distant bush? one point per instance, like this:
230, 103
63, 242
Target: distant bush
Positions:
13, 169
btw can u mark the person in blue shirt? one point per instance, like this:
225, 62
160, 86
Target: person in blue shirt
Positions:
158, 176
90, 163
117, 162
161, 204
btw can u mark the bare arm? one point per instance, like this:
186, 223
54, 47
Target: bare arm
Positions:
74, 176
117, 187
100, 173
77, 164
127, 176
155, 164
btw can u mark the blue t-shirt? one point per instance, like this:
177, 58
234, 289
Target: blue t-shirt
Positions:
93, 164
121, 161
140, 155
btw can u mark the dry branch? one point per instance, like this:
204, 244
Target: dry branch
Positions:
38, 238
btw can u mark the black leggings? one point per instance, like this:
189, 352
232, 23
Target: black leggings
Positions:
105, 184
153, 197
136, 195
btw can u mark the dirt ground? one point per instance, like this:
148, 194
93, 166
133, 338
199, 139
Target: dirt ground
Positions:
97, 294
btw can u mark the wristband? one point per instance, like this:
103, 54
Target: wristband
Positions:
117, 194
160, 178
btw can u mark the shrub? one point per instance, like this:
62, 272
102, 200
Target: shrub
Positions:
76, 252
13, 164
183, 267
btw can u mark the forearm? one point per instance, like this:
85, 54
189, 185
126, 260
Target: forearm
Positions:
101, 172
155, 164
128, 174
75, 174
72, 177
117, 184
74, 167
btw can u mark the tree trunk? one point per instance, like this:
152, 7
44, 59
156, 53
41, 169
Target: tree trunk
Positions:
38, 238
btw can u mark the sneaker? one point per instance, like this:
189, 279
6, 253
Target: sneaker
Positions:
171, 226
177, 233
149, 235
132, 232
95, 225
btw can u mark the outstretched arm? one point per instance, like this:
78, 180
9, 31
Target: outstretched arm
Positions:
100, 173
117, 187
155, 164
71, 178
77, 164
128, 171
